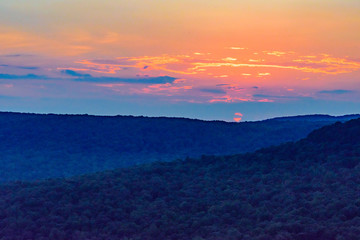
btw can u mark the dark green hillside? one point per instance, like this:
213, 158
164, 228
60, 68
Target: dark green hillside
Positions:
308, 190
37, 146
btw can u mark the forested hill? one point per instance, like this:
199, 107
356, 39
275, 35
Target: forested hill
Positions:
35, 146
296, 191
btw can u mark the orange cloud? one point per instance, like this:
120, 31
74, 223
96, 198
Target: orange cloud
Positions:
187, 65
102, 67
237, 48
231, 99
206, 71
143, 63
229, 59
255, 60
276, 53
164, 89
327, 65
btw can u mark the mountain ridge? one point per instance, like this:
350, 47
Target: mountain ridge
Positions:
317, 117
344, 117
37, 146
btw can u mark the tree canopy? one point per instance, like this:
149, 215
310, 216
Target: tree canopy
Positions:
38, 146
299, 191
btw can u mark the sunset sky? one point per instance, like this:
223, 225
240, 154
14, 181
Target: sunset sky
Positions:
226, 60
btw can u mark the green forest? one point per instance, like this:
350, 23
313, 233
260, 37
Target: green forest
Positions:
40, 146
303, 190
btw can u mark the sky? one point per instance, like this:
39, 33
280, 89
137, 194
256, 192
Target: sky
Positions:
214, 60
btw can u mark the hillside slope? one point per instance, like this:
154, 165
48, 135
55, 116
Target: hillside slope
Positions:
296, 191
35, 146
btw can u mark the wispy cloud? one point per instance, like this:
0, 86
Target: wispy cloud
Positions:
237, 48
277, 53
166, 63
228, 77
198, 64
5, 97
84, 77
213, 90
167, 90
232, 99
277, 97
336, 91
19, 67
264, 96
74, 73
16, 55
148, 80
233, 69
331, 68
27, 76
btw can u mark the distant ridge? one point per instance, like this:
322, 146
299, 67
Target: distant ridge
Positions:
316, 117
307, 117
38, 146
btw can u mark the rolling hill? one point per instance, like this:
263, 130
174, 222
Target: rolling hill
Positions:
35, 146
296, 191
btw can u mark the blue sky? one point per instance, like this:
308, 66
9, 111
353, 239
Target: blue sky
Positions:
218, 60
